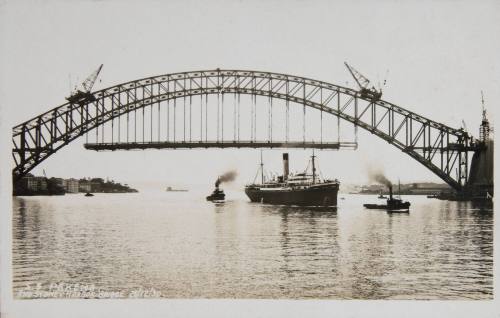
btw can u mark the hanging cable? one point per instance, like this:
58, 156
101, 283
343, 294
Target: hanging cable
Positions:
184, 112
218, 116
356, 117
255, 111
128, 114
222, 117
251, 116
135, 114
175, 117
168, 111
168, 118
338, 116
112, 119
304, 113
119, 117
222, 107
239, 95
143, 119
97, 131
287, 102
270, 110
151, 110
321, 115
201, 111
271, 99
159, 115
102, 118
190, 110
234, 116
269, 118
239, 113
206, 114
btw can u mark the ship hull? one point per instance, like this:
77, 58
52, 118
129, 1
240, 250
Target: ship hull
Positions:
317, 195
395, 207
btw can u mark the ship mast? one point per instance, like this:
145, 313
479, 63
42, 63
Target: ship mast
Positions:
313, 168
261, 167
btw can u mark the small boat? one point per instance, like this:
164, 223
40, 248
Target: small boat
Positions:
381, 196
170, 189
88, 194
217, 194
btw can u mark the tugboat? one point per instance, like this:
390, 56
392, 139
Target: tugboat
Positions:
393, 205
302, 189
88, 194
217, 194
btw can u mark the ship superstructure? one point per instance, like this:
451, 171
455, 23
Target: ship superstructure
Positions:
304, 189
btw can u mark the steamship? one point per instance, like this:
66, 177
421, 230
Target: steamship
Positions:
303, 189
393, 204
217, 194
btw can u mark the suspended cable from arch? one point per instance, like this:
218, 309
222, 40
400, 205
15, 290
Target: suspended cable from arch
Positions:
321, 115
168, 119
304, 112
184, 112
222, 119
175, 118
159, 116
234, 116
190, 111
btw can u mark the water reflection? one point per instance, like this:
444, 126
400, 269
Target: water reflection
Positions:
196, 249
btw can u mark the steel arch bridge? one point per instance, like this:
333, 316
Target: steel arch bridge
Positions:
442, 149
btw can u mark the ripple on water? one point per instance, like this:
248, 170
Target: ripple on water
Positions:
187, 248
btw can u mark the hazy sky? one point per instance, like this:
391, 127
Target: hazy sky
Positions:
440, 55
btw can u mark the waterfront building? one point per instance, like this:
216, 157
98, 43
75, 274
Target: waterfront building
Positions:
72, 185
33, 183
85, 186
95, 186
59, 182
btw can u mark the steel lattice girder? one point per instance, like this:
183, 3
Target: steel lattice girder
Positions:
437, 146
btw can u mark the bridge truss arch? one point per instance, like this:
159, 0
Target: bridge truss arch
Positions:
442, 149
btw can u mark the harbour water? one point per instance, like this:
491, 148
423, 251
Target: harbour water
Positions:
177, 245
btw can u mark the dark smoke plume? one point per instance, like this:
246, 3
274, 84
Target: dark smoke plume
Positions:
378, 176
226, 177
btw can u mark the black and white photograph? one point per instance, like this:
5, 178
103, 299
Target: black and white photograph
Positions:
248, 158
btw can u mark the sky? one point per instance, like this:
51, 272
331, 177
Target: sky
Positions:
438, 56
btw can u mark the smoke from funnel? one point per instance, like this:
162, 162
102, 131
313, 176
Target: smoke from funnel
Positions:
378, 176
226, 177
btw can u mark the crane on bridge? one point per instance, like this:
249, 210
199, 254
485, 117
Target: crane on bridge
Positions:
484, 130
81, 97
364, 84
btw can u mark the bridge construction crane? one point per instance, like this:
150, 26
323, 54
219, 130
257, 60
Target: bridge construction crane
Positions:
484, 129
369, 93
464, 126
82, 96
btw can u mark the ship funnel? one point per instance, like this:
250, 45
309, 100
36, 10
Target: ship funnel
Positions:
390, 191
285, 166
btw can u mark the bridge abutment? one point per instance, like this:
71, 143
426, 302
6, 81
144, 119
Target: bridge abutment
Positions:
480, 182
